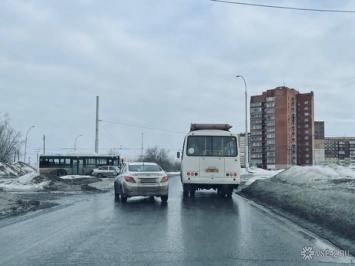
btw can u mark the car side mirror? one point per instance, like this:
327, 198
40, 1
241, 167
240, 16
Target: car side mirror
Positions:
178, 155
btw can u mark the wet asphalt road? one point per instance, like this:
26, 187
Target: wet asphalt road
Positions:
207, 230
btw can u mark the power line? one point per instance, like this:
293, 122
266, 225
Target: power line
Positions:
151, 128
285, 7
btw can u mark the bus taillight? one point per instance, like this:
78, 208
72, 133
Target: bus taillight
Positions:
231, 174
192, 174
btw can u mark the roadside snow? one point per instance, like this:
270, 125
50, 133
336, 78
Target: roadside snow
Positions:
75, 176
15, 169
320, 198
253, 174
27, 182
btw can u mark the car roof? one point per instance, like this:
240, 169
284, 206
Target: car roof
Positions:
141, 163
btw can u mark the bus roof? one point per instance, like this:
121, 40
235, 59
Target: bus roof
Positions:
78, 154
225, 127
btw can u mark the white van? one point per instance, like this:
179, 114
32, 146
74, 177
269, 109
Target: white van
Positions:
210, 159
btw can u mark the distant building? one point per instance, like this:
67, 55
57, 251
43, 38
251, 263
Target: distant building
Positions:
340, 150
319, 143
281, 128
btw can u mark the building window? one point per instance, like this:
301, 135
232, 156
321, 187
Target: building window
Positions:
270, 111
305, 102
306, 114
255, 110
256, 144
306, 137
271, 154
270, 117
306, 119
270, 129
270, 99
306, 108
271, 135
270, 141
271, 160
306, 131
270, 123
306, 125
255, 104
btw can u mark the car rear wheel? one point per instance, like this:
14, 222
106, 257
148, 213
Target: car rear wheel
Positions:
117, 196
123, 198
164, 198
61, 172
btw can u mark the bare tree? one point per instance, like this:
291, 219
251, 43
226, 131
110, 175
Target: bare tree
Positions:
159, 156
10, 140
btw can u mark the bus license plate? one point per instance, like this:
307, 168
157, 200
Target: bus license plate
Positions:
212, 171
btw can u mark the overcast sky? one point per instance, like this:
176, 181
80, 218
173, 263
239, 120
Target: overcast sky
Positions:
160, 65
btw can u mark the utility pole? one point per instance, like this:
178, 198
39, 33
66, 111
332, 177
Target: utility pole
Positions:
97, 126
44, 144
142, 146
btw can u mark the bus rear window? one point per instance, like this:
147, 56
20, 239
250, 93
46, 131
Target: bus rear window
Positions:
225, 146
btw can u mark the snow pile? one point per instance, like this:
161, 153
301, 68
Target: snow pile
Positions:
252, 174
317, 197
75, 176
15, 169
28, 182
19, 179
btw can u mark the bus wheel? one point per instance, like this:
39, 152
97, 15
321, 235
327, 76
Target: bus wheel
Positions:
229, 192
185, 190
61, 172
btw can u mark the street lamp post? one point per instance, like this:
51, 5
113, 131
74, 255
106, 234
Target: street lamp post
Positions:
24, 156
313, 140
246, 122
75, 141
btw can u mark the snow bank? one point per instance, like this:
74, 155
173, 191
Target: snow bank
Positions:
15, 169
320, 198
28, 182
75, 176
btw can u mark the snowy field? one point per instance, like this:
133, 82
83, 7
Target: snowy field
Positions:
319, 198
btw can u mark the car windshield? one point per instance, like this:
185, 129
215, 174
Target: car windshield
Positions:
144, 168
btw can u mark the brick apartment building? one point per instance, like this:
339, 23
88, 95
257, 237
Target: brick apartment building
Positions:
281, 128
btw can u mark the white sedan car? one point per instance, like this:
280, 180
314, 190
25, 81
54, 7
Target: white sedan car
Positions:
141, 179
105, 171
